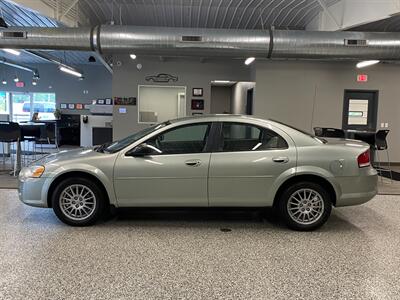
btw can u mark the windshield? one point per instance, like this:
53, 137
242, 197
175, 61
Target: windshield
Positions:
121, 144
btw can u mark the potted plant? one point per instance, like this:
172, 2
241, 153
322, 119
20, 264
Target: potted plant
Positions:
57, 114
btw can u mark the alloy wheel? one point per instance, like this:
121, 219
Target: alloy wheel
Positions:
305, 206
77, 202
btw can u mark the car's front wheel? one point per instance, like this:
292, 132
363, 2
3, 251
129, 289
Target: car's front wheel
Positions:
305, 206
78, 201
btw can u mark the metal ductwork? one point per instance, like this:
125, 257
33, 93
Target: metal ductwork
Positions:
208, 42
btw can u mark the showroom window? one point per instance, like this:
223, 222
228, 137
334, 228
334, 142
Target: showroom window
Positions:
186, 139
3, 103
244, 137
21, 106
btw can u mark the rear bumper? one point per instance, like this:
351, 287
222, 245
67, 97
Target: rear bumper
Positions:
357, 190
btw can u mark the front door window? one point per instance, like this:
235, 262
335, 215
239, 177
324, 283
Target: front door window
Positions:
182, 140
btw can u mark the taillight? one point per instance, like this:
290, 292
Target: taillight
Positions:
364, 159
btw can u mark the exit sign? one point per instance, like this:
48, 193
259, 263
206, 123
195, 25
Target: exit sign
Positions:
20, 84
362, 78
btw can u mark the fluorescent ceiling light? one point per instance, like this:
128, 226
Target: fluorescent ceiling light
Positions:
70, 71
367, 63
133, 56
220, 81
12, 51
4, 81
249, 60
16, 79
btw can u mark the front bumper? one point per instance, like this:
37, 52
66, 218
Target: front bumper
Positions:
30, 191
357, 190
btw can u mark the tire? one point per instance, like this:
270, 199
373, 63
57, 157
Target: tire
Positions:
78, 201
309, 214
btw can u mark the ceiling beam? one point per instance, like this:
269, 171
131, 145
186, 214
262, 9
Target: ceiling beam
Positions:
347, 14
67, 10
328, 12
45, 10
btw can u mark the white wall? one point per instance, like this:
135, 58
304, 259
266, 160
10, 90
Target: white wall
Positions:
309, 94
87, 128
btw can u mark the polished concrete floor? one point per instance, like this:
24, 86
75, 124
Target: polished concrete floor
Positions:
184, 254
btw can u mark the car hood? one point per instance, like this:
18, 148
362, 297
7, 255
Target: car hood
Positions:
68, 155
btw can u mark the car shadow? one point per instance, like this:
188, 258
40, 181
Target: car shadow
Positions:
226, 219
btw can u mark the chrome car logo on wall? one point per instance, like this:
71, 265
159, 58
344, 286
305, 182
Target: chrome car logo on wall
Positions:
162, 77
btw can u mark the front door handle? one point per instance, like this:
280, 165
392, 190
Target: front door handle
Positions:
193, 162
282, 159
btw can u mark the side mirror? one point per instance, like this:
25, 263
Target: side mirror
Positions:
143, 150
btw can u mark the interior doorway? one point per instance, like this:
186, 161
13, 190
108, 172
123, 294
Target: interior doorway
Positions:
360, 110
221, 99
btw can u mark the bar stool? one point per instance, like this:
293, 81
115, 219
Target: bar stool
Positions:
48, 136
329, 132
30, 133
381, 145
9, 133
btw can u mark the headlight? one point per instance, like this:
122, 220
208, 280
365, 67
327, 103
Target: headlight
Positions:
31, 172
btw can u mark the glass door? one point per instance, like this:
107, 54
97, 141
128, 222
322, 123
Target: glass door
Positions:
21, 107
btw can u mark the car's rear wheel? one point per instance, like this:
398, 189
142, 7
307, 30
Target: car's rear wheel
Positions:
78, 201
305, 206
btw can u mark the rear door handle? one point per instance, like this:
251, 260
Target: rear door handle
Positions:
193, 162
282, 159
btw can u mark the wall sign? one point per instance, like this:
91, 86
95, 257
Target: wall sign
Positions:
197, 104
79, 106
125, 100
20, 84
197, 92
162, 77
362, 78
71, 106
63, 106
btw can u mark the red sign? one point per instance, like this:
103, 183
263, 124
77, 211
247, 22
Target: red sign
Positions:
20, 84
362, 78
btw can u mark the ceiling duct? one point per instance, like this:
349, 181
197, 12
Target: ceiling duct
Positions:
209, 42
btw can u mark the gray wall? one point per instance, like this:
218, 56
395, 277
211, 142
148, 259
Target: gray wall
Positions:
309, 94
68, 88
191, 73
220, 99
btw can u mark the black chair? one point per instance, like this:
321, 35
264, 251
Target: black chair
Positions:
381, 145
329, 132
48, 136
30, 133
9, 133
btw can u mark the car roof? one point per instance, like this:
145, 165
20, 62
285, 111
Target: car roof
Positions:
217, 117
